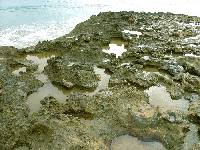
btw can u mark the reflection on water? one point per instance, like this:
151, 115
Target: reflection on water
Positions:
192, 55
146, 57
159, 97
116, 47
132, 33
191, 137
41, 62
42, 77
103, 82
58, 92
127, 142
48, 89
149, 70
17, 72
192, 40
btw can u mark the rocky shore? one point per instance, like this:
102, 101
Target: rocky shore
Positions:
116, 76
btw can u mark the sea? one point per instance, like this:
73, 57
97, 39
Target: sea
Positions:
24, 23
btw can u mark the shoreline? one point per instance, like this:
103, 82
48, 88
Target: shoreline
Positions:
52, 24
118, 76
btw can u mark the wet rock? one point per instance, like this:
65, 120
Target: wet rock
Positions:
77, 75
194, 112
14, 111
8, 51
196, 146
155, 45
67, 84
50, 104
146, 115
191, 83
191, 65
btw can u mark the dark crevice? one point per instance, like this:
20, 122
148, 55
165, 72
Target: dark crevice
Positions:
137, 85
194, 118
79, 114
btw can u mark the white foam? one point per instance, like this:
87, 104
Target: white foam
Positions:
28, 34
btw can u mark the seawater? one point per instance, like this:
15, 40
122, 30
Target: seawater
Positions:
25, 22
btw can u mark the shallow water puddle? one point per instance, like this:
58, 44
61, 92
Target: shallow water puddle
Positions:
118, 41
103, 82
115, 48
148, 70
193, 45
144, 46
71, 64
59, 93
125, 64
127, 142
191, 24
48, 89
192, 40
106, 60
191, 137
132, 33
42, 77
41, 62
159, 97
146, 57
194, 24
17, 72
